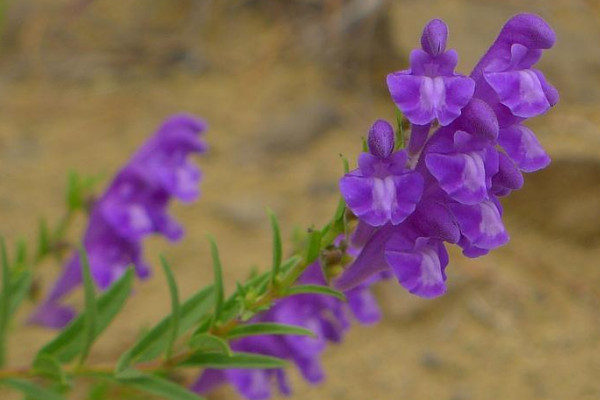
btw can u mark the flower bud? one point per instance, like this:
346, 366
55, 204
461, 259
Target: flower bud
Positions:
381, 139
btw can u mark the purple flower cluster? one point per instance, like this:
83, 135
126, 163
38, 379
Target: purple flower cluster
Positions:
326, 316
444, 187
133, 207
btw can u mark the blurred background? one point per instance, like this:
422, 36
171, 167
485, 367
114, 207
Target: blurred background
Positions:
287, 86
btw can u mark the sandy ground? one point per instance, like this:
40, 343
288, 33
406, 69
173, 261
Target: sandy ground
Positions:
285, 90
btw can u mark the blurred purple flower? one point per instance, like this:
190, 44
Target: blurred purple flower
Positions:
133, 207
326, 316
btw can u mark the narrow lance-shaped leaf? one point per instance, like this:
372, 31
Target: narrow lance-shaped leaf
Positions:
49, 367
400, 141
31, 390
89, 315
277, 248
207, 343
160, 387
313, 246
218, 273
154, 342
175, 310
19, 289
70, 341
315, 289
267, 328
237, 360
43, 241
4, 300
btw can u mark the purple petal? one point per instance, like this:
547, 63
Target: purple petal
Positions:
423, 99
523, 148
461, 175
369, 262
363, 305
434, 219
458, 91
520, 91
254, 384
481, 224
508, 178
419, 270
378, 201
52, 315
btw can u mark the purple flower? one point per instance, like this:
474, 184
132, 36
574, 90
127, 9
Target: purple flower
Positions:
505, 77
133, 207
476, 155
382, 189
430, 89
326, 316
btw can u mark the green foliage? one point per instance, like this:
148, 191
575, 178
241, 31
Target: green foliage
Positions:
90, 310
79, 188
155, 341
207, 343
315, 289
43, 239
218, 275
400, 138
237, 360
48, 366
277, 247
267, 328
31, 390
4, 300
175, 309
72, 340
158, 386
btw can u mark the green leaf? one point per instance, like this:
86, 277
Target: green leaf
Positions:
346, 164
31, 390
207, 343
49, 367
74, 198
277, 247
19, 288
90, 308
313, 247
4, 300
290, 263
237, 360
400, 142
218, 272
160, 387
43, 241
267, 328
175, 309
71, 340
154, 342
315, 289
20, 254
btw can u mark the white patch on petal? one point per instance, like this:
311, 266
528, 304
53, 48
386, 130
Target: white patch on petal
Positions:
185, 181
384, 195
530, 88
490, 225
139, 218
431, 270
473, 170
433, 93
